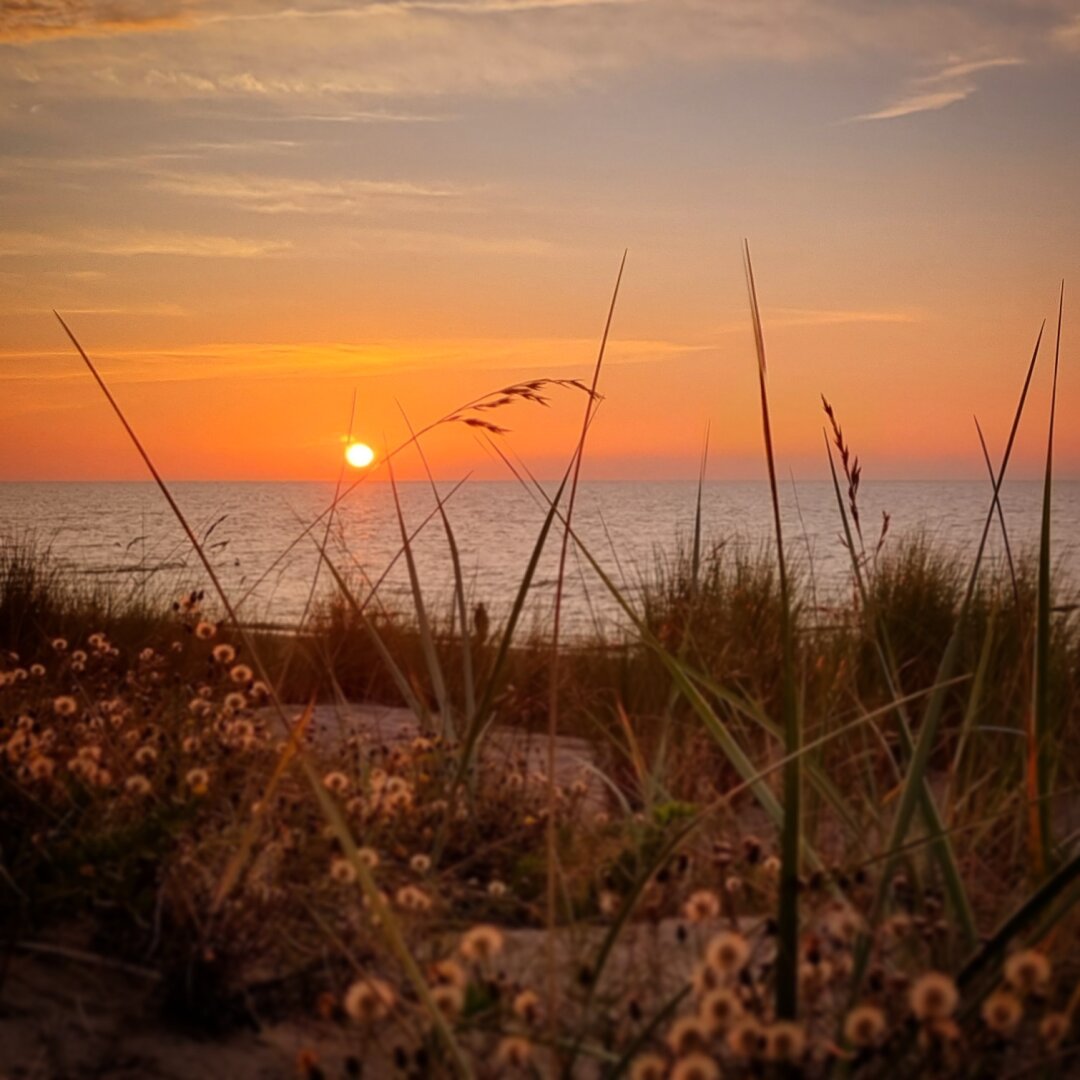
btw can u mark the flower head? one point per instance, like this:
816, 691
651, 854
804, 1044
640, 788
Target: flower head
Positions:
933, 996
865, 1026
719, 1009
1027, 971
1002, 1013
695, 1067
198, 780
701, 905
785, 1041
241, 674
65, 705
687, 1034
648, 1067
513, 1052
342, 871
727, 953
369, 1000
481, 943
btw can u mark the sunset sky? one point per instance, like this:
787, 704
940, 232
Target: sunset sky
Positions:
249, 209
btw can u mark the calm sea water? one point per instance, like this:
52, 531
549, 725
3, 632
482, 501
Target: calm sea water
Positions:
124, 535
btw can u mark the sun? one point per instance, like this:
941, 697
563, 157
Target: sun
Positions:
359, 455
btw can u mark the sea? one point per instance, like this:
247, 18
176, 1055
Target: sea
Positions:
264, 539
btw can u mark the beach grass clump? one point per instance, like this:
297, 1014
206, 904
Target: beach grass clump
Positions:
810, 836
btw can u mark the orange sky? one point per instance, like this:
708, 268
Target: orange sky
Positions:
248, 211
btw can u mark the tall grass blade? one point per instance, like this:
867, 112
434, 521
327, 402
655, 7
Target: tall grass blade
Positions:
1001, 519
423, 624
1039, 762
552, 823
787, 962
459, 583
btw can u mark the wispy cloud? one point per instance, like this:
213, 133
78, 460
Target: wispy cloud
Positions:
136, 243
29, 21
331, 359
332, 61
949, 85
1067, 34
278, 195
167, 311
777, 318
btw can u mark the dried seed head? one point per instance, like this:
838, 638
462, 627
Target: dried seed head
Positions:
933, 996
369, 1000
1002, 1013
719, 1009
648, 1067
695, 1067
785, 1041
865, 1026
701, 905
481, 944
727, 953
1027, 971
513, 1052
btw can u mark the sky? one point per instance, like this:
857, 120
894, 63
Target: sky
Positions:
251, 211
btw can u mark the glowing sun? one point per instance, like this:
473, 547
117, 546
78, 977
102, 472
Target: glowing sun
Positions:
359, 455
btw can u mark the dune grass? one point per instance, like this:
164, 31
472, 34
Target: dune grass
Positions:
809, 841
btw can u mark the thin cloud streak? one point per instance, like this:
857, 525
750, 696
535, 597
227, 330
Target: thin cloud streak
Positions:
946, 87
331, 360
138, 243
277, 195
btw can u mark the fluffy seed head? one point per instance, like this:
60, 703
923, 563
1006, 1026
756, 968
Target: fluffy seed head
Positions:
342, 871
745, 1039
198, 780
719, 1009
695, 1067
687, 1034
1002, 1013
933, 996
1027, 971
513, 1052
137, 785
648, 1067
1053, 1029
727, 953
369, 1000
481, 943
865, 1026
785, 1041
701, 905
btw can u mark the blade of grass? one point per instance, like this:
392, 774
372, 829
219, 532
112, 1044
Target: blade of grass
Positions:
787, 960
1039, 754
552, 823
1001, 519
427, 638
459, 581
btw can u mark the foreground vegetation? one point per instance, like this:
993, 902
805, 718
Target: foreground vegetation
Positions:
808, 842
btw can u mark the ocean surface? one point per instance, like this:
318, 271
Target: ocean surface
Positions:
123, 535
